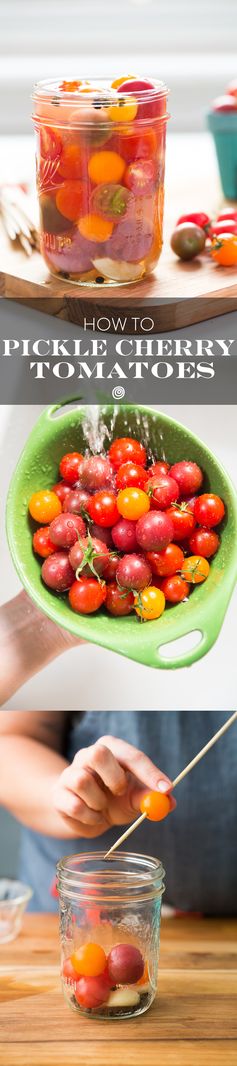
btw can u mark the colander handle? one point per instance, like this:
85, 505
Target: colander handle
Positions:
207, 623
48, 413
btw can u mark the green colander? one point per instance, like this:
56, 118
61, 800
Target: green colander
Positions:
60, 430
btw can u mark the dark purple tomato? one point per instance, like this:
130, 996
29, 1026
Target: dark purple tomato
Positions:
125, 964
65, 528
96, 473
154, 531
164, 491
57, 573
111, 567
89, 555
133, 573
76, 502
124, 535
62, 490
103, 533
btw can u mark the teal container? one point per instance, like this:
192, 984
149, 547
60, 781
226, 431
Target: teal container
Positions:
223, 126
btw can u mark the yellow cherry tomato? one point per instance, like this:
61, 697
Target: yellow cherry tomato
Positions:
133, 503
95, 228
195, 569
150, 603
89, 960
156, 805
44, 506
106, 167
119, 81
123, 111
224, 249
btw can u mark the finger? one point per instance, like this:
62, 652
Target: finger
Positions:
134, 761
67, 803
83, 782
100, 760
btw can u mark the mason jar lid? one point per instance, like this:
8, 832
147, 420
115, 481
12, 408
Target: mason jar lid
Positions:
125, 878
55, 103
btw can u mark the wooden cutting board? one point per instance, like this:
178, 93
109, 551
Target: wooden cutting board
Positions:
196, 291
192, 1021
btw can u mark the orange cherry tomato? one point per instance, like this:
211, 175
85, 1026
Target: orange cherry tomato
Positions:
156, 805
195, 569
70, 86
133, 503
44, 506
89, 961
42, 544
106, 167
119, 81
224, 250
150, 603
95, 228
70, 199
123, 111
71, 161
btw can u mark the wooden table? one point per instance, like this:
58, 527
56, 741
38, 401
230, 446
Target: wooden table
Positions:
193, 1021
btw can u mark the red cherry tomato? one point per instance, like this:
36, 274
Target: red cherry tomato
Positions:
91, 992
69, 466
204, 542
158, 468
156, 104
224, 103
165, 563
96, 473
141, 145
57, 573
62, 490
209, 510
188, 475
127, 448
50, 143
130, 474
140, 177
86, 595
76, 501
118, 603
124, 535
227, 214
133, 573
110, 568
68, 971
42, 544
64, 530
175, 589
198, 217
102, 508
155, 530
163, 491
226, 225
183, 521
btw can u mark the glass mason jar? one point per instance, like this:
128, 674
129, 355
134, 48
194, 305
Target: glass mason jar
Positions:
110, 926
100, 179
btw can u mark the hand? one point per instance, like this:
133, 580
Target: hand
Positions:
28, 641
104, 785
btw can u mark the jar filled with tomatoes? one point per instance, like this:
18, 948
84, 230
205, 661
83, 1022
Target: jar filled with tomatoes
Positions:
110, 925
100, 177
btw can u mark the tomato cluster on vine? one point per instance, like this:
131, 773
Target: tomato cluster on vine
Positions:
118, 533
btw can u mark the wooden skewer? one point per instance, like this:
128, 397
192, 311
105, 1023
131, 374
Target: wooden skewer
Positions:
177, 780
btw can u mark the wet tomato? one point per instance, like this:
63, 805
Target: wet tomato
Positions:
127, 448
42, 544
132, 503
161, 467
124, 535
118, 603
111, 566
163, 490
62, 490
188, 475
89, 556
86, 595
133, 572
165, 563
96, 473
102, 508
155, 530
57, 573
69, 467
209, 510
195, 569
204, 542
175, 588
150, 603
183, 521
64, 529
131, 474
76, 501
44, 506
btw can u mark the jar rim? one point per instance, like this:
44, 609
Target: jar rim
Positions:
42, 90
125, 875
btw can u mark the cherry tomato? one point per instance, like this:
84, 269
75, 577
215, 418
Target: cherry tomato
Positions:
156, 805
57, 573
68, 971
127, 448
118, 603
125, 964
226, 102
133, 572
44, 506
91, 992
204, 542
50, 143
195, 569
69, 467
123, 110
130, 474
71, 162
111, 201
155, 530
102, 508
226, 225
209, 510
230, 215
231, 89
132, 503
188, 475
76, 501
165, 563
103, 533
158, 468
105, 166
150, 603
96, 473
65, 528
119, 81
138, 145
188, 240
124, 536
89, 556
89, 960
156, 102
86, 595
62, 490
111, 566
183, 521
198, 217
71, 199
145, 976
163, 490
94, 228
42, 544
175, 588
140, 176
224, 249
